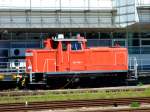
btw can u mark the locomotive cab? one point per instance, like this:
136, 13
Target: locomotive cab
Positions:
77, 43
65, 48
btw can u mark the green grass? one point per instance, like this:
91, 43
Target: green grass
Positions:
49, 96
135, 104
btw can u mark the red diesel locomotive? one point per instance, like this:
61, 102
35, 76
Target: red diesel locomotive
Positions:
70, 58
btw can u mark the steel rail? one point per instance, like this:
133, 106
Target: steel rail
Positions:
72, 104
143, 109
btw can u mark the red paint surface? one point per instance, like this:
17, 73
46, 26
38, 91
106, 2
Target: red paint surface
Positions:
86, 59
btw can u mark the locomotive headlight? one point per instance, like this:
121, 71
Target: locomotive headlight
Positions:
1, 76
14, 76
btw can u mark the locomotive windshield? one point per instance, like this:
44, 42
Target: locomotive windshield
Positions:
75, 45
55, 45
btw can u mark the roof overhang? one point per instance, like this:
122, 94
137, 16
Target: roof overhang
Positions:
113, 29
143, 7
139, 27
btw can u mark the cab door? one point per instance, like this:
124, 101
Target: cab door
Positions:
77, 57
65, 57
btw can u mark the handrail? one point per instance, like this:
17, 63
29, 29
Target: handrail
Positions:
45, 68
135, 66
13, 67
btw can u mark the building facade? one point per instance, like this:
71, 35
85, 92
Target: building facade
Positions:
26, 23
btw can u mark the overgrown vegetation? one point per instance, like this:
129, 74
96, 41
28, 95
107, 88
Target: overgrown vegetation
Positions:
140, 84
51, 96
135, 104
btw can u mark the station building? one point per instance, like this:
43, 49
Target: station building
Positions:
26, 23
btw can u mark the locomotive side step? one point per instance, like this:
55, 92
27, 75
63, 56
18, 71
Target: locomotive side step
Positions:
133, 79
145, 73
37, 83
132, 82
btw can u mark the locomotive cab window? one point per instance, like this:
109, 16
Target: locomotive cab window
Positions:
64, 46
55, 45
76, 45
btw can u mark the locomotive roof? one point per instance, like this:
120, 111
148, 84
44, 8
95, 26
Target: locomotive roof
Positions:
70, 40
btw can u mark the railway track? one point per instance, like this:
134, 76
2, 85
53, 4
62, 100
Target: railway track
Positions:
66, 91
73, 104
145, 109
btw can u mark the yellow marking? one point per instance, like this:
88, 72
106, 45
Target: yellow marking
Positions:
1, 76
14, 76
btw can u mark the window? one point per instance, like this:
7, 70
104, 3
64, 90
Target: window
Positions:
119, 43
135, 42
119, 35
55, 45
145, 42
75, 45
64, 46
92, 35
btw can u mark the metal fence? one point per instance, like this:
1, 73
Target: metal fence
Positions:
121, 42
